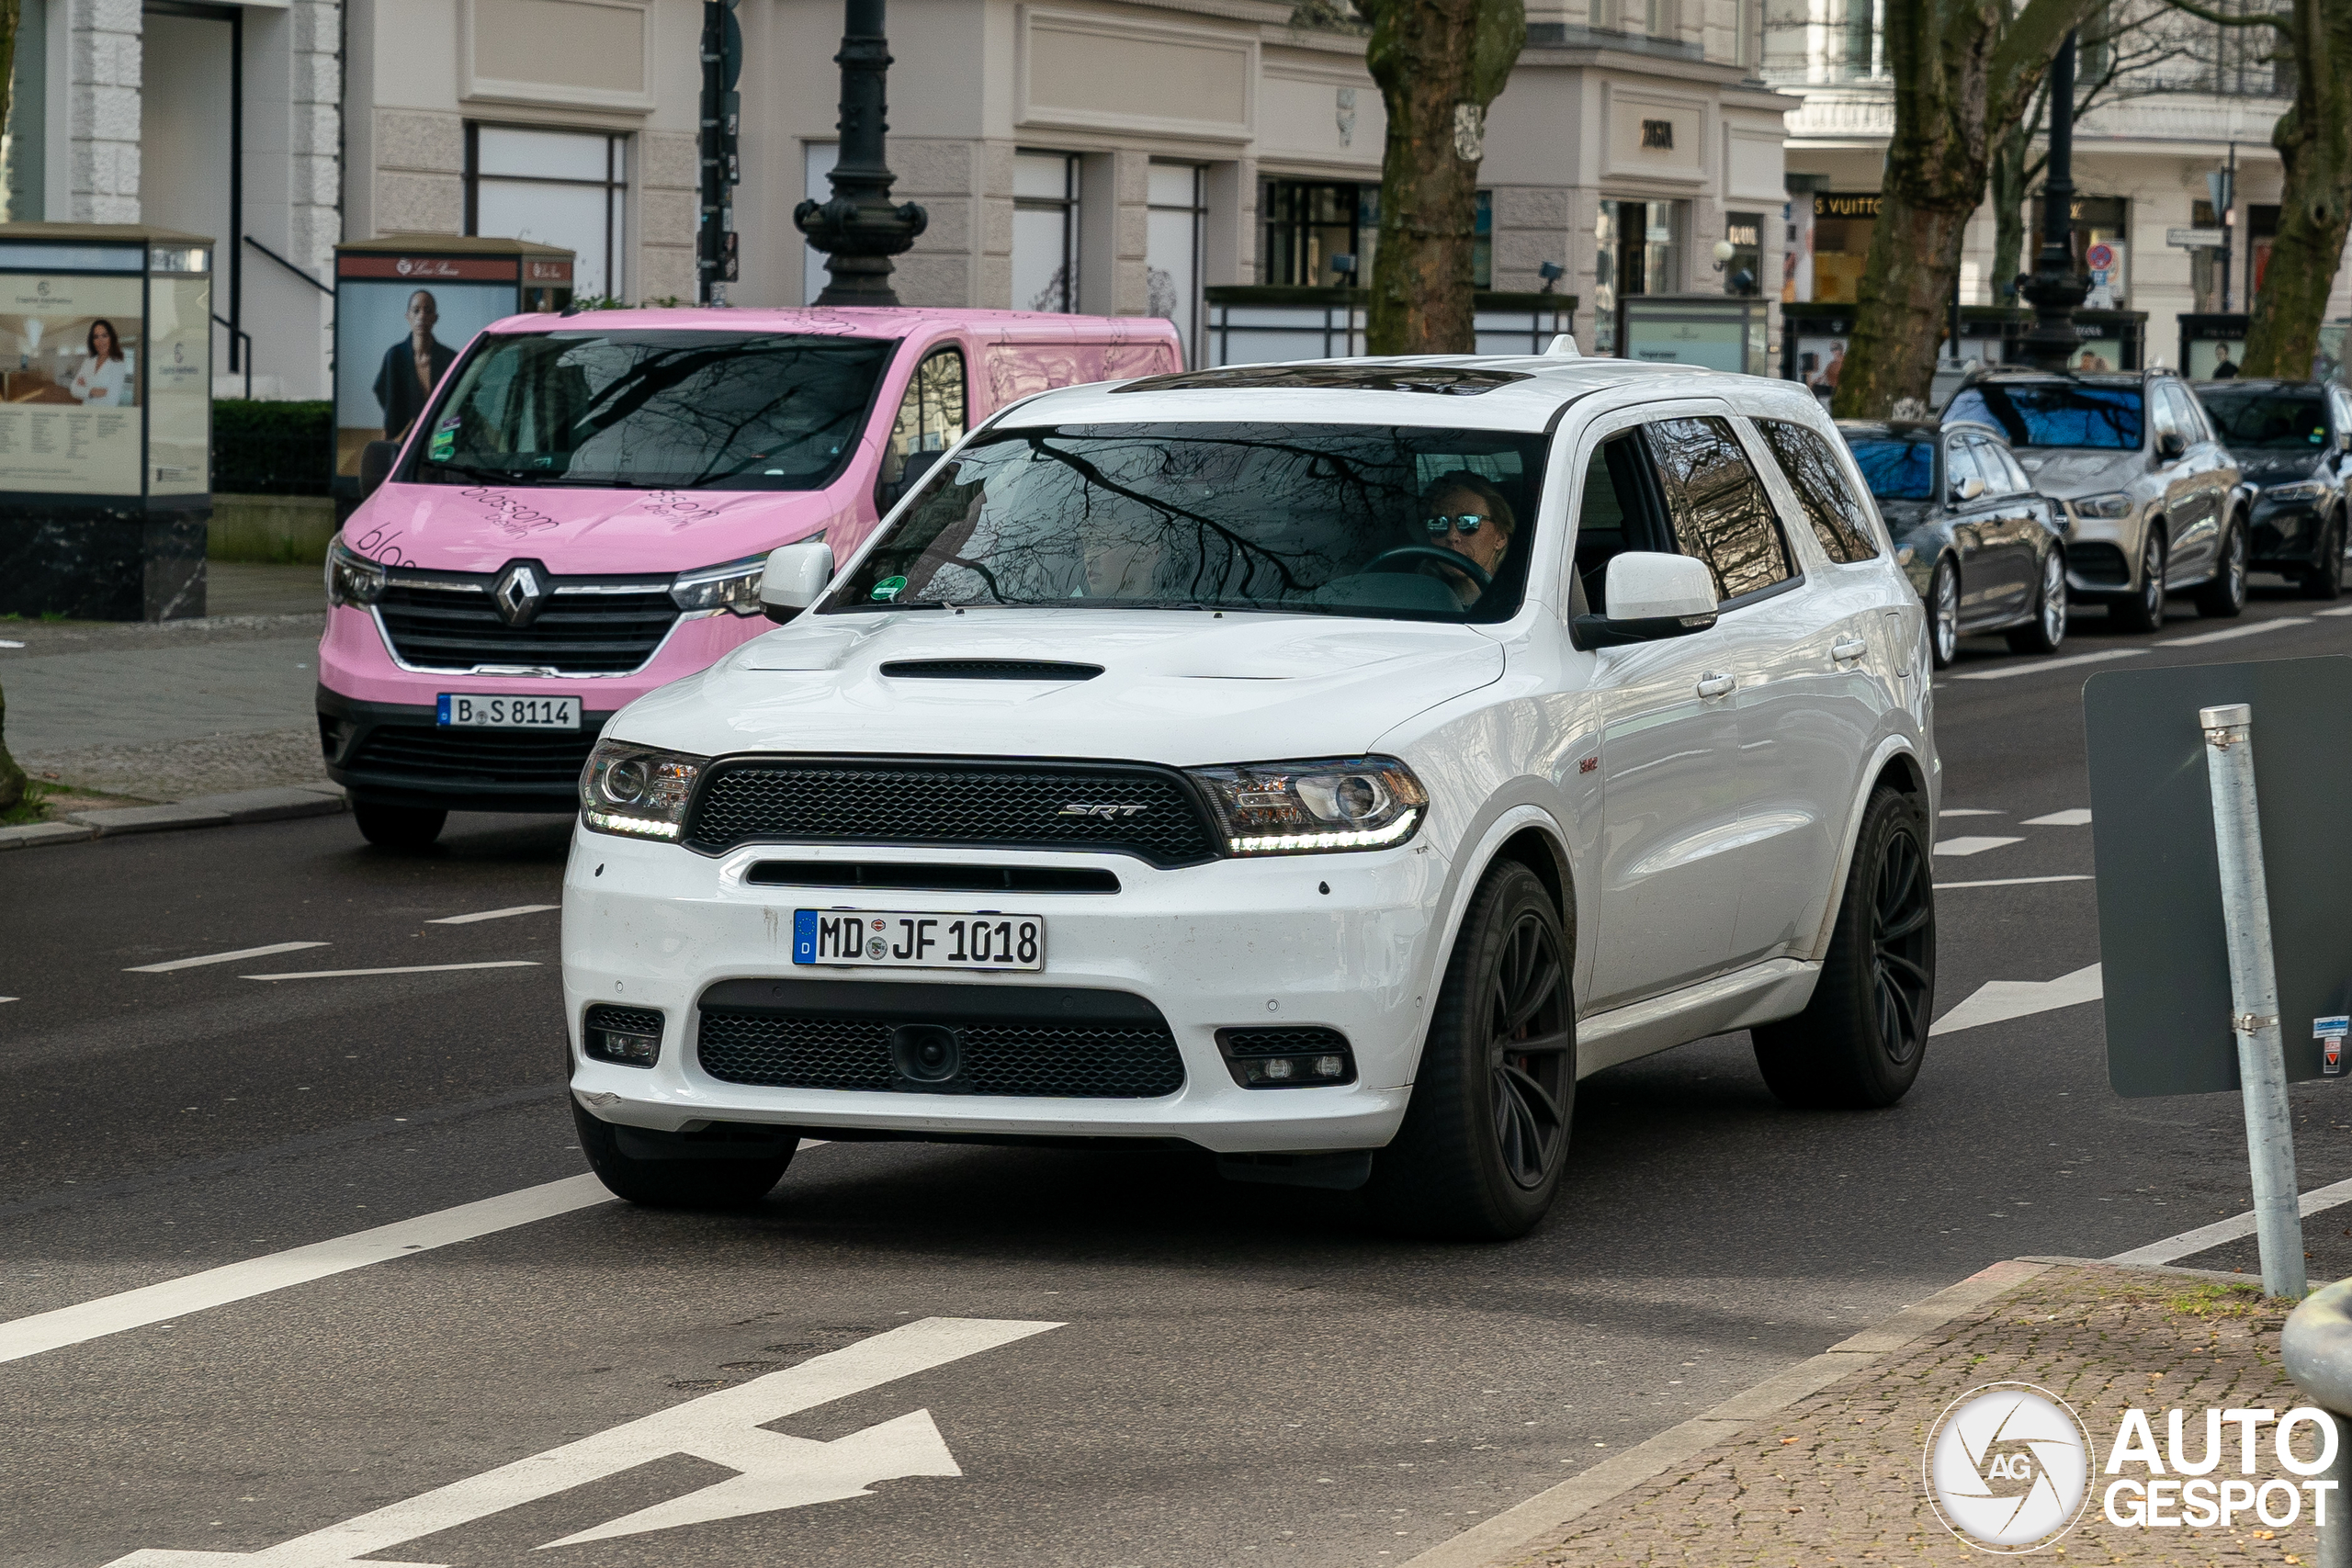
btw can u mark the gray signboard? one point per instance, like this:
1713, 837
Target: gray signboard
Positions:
2165, 960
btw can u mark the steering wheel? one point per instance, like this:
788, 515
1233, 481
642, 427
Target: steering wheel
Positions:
1404, 557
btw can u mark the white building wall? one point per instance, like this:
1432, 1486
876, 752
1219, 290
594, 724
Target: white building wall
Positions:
100, 142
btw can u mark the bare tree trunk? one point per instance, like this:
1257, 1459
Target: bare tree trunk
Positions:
2010, 176
1439, 63
1965, 72
2314, 142
12, 777
10, 12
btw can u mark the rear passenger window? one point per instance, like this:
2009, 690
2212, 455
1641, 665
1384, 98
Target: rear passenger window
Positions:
1718, 507
1839, 518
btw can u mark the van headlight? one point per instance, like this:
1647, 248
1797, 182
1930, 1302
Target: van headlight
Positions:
352, 578
637, 791
734, 585
1331, 803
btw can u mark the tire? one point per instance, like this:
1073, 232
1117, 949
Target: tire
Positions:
674, 1183
2144, 610
1485, 1133
397, 827
2224, 598
1944, 614
1860, 1041
2048, 627
2324, 578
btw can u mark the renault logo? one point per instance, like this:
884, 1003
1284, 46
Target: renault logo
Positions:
518, 592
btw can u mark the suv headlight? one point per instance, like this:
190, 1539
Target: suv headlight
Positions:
733, 586
2301, 490
2113, 503
635, 790
352, 578
1331, 803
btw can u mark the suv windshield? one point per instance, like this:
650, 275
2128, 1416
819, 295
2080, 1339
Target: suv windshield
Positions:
652, 411
1898, 470
1322, 519
2050, 413
2274, 422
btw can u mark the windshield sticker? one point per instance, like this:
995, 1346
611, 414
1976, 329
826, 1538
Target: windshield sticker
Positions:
890, 588
445, 439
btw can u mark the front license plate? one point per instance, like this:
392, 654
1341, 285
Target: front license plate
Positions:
894, 939
461, 710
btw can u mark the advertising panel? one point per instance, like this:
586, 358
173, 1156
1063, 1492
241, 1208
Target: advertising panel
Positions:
179, 384
397, 333
70, 352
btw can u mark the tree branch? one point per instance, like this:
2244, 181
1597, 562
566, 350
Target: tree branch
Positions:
2259, 20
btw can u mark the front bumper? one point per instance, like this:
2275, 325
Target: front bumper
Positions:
1235, 944
2103, 554
2285, 533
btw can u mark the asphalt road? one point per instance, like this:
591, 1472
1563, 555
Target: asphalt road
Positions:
1185, 1371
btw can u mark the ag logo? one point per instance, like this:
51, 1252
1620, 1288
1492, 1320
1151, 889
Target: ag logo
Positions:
2009, 1467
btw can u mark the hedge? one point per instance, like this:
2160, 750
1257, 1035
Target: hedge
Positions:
272, 448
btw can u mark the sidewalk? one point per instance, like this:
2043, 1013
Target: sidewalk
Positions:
1835, 1477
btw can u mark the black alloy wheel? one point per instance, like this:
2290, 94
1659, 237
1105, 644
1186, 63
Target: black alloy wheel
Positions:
2324, 578
2048, 627
1944, 614
2224, 597
1860, 1041
2144, 610
1479, 1154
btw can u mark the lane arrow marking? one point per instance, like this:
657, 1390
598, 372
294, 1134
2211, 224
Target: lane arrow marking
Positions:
1998, 1000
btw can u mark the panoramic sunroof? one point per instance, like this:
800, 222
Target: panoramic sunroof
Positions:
1349, 378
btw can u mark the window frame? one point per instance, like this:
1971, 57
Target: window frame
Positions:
614, 185
1066, 204
884, 476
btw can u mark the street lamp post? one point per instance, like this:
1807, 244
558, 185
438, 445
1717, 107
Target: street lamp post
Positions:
858, 229
2056, 289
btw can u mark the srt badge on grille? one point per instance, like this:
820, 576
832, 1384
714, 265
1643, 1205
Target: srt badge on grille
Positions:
1108, 812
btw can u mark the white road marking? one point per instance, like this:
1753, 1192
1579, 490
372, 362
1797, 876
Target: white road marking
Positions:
1969, 811
2000, 1000
5, 643
398, 969
2073, 816
296, 1265
2010, 882
493, 914
10, 998
729, 1427
223, 957
2249, 629
2345, 611
2187, 1244
1972, 846
2036, 666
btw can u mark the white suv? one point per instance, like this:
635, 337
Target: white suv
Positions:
1325, 765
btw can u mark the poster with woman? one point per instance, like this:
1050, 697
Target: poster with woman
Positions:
69, 384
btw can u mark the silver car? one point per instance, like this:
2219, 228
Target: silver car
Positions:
2152, 496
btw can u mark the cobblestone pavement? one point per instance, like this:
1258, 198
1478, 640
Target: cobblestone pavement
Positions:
1836, 1478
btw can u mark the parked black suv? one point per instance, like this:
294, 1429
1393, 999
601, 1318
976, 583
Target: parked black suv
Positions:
2293, 443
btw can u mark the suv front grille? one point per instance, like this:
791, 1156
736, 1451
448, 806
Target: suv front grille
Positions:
455, 625
1151, 812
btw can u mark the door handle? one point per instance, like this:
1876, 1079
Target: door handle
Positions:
1853, 649
1715, 685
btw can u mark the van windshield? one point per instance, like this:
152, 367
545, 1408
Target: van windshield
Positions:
1320, 519
652, 410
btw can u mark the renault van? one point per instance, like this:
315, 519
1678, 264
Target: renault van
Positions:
582, 511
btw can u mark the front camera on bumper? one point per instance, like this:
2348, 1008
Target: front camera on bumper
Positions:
1336, 803
635, 790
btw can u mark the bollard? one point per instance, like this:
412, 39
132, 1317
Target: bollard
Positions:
2316, 1347
2253, 992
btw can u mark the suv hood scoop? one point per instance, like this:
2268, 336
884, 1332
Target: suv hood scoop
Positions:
1183, 687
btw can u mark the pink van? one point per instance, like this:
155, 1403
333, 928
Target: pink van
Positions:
582, 513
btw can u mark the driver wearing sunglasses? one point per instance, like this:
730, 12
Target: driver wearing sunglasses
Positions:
1466, 514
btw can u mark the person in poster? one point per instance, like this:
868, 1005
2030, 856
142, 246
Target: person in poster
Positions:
2223, 369
104, 379
412, 366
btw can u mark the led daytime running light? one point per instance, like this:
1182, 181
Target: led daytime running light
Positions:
1351, 839
612, 824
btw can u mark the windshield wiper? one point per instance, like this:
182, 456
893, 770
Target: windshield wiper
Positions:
489, 476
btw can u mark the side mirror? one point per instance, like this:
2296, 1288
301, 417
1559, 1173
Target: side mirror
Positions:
2171, 445
376, 460
1651, 595
795, 575
1968, 489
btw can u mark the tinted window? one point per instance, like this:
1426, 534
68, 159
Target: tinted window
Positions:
2054, 413
931, 414
1839, 518
1960, 466
2274, 422
653, 410
1898, 470
1989, 466
1718, 507
1238, 516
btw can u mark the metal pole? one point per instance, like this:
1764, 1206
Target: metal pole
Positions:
2056, 289
2254, 996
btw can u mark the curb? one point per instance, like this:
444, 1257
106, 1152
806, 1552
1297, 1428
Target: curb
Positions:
234, 809
1520, 1528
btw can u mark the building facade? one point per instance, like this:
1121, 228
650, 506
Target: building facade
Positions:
1109, 156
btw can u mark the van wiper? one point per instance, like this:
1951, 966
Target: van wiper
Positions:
489, 476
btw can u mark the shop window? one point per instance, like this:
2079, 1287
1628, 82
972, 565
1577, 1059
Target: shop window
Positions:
2100, 231
1637, 249
1172, 250
1743, 272
1045, 232
1305, 227
554, 187
1842, 225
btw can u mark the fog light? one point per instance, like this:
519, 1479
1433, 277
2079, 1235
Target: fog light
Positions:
626, 1037
1295, 1056
1331, 1066
1278, 1068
